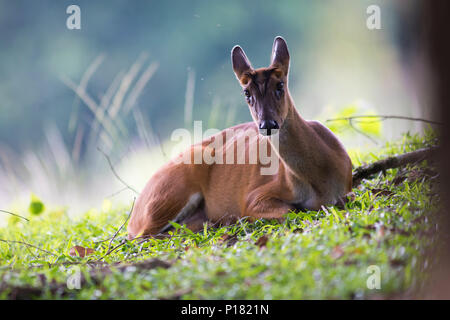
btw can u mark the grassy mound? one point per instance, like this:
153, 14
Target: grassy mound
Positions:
332, 253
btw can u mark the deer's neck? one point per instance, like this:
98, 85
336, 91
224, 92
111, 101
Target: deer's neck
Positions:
297, 146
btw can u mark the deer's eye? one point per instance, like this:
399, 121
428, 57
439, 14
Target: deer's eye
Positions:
247, 93
280, 86
279, 89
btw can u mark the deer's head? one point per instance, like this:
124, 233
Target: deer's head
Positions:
265, 89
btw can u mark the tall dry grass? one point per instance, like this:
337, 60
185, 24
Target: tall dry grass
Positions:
75, 175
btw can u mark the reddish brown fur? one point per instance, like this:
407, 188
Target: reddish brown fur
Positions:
314, 167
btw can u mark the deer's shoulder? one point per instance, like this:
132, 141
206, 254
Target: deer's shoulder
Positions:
325, 134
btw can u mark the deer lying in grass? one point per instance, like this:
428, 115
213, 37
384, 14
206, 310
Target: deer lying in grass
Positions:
314, 168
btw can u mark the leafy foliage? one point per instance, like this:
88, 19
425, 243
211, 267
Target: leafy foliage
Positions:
314, 254
371, 127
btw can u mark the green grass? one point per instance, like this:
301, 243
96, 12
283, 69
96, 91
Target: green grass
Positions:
312, 255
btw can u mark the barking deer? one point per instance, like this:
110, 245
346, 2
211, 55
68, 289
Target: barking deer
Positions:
314, 168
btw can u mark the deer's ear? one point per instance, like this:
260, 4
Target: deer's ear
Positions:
280, 55
240, 62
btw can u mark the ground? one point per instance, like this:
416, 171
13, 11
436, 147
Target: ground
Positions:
386, 233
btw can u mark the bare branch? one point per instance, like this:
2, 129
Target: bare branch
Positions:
361, 132
118, 230
115, 173
27, 244
384, 117
112, 250
117, 192
416, 156
13, 214
109, 251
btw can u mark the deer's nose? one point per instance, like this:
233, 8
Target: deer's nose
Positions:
267, 126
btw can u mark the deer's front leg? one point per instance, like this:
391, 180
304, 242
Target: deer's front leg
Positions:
267, 206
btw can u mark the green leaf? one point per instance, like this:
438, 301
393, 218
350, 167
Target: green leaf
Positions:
175, 225
370, 126
36, 205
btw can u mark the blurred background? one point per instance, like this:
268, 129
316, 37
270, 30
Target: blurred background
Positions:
74, 103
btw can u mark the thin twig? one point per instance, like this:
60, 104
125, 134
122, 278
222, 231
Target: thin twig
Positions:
14, 214
27, 244
361, 132
115, 173
28, 248
117, 192
118, 230
112, 250
109, 251
100, 241
384, 117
